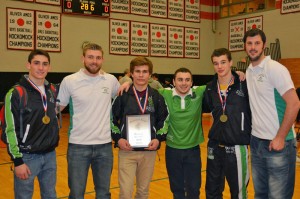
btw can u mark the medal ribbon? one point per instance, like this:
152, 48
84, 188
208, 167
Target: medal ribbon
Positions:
223, 102
43, 96
143, 109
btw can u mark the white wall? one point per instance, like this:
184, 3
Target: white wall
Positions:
275, 25
76, 29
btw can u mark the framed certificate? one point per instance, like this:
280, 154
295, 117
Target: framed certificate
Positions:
138, 130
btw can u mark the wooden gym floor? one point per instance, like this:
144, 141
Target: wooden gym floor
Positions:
159, 187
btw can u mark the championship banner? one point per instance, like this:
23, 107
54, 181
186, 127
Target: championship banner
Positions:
139, 39
159, 39
289, 6
175, 41
192, 42
254, 22
139, 7
236, 34
20, 29
176, 9
48, 26
50, 2
158, 8
119, 6
192, 10
119, 37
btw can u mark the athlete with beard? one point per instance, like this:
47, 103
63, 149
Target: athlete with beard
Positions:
89, 93
274, 105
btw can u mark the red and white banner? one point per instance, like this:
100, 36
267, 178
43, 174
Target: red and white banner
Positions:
48, 26
159, 39
192, 42
158, 8
139, 7
175, 41
192, 10
254, 22
120, 6
288, 6
20, 29
119, 37
236, 34
139, 39
176, 9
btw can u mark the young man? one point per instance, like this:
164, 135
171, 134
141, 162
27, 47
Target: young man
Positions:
140, 103
274, 106
89, 93
33, 150
153, 82
184, 135
226, 97
126, 77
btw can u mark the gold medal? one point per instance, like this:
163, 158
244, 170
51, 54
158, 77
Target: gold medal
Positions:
223, 118
46, 119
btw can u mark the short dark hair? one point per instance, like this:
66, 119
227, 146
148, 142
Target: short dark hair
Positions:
155, 75
182, 70
253, 33
221, 51
140, 61
38, 52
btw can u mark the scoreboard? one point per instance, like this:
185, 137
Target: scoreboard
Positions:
86, 7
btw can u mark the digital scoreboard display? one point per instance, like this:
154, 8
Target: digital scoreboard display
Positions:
86, 7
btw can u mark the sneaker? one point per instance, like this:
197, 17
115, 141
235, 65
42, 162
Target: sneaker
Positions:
297, 159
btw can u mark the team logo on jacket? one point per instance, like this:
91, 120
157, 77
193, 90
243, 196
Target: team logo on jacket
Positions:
150, 105
240, 93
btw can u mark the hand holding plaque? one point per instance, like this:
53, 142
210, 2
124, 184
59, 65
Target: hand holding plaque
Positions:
138, 130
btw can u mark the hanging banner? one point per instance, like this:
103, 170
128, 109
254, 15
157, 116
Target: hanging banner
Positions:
50, 2
289, 6
175, 41
254, 22
20, 29
192, 42
158, 8
176, 9
192, 10
119, 37
236, 34
48, 26
139, 38
119, 6
159, 40
139, 7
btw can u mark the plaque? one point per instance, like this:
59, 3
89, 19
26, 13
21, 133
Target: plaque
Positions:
138, 130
